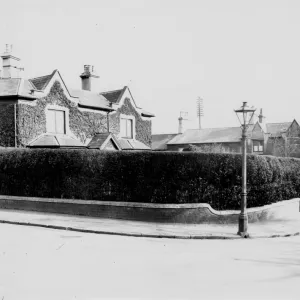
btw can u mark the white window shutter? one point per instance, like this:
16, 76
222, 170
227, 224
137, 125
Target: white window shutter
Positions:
51, 121
60, 121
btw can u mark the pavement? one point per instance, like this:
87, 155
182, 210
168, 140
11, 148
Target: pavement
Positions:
268, 229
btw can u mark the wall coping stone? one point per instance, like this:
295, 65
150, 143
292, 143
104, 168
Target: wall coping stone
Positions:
152, 205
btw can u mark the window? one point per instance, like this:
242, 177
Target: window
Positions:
258, 146
126, 128
56, 121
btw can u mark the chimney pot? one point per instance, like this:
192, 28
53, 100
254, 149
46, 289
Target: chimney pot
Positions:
10, 64
260, 117
87, 77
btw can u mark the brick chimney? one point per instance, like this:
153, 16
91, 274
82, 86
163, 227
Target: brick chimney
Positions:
183, 117
87, 77
261, 117
11, 64
180, 125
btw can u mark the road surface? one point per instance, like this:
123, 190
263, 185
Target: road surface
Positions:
39, 263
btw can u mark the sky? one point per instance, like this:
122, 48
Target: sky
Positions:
169, 53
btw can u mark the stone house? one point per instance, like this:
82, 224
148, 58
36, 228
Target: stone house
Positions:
44, 112
283, 139
279, 139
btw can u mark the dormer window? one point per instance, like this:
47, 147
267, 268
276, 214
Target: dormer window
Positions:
258, 146
126, 128
127, 125
57, 119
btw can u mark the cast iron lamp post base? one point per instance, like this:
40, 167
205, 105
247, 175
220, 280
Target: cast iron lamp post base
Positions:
243, 226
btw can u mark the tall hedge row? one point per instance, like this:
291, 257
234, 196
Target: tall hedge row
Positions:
151, 177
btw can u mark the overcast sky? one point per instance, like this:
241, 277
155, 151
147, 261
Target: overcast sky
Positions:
168, 52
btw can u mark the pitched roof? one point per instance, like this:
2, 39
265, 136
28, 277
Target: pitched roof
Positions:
208, 135
128, 144
90, 99
15, 87
159, 141
100, 140
40, 83
55, 141
147, 113
114, 96
87, 99
276, 129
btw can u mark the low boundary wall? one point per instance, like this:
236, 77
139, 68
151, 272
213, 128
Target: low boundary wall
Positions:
165, 213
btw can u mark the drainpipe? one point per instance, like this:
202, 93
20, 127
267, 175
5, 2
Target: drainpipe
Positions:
15, 121
107, 118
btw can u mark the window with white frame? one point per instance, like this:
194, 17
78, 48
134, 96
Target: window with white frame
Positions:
126, 128
258, 146
56, 121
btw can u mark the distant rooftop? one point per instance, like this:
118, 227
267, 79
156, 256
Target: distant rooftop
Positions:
275, 129
159, 141
208, 135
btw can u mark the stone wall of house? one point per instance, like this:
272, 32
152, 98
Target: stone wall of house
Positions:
293, 140
275, 146
294, 130
257, 133
31, 122
287, 144
142, 127
7, 125
31, 119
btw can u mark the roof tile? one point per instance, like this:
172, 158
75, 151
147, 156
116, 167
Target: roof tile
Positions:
98, 140
91, 99
113, 96
40, 83
276, 129
208, 135
50, 140
128, 144
159, 141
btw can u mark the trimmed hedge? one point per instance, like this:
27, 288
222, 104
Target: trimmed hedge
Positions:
150, 177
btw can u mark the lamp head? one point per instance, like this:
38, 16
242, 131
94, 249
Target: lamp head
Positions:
245, 114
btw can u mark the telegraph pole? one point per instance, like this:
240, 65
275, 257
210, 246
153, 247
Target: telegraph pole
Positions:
200, 110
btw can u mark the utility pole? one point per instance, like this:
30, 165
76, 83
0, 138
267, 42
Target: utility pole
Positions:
200, 110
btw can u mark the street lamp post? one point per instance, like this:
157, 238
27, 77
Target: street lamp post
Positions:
245, 115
